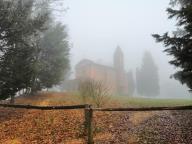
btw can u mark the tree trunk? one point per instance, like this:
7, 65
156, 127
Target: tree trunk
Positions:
12, 100
33, 92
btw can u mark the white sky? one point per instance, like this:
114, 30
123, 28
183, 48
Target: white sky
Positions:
96, 27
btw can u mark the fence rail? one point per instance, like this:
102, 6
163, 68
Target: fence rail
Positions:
44, 107
86, 106
145, 108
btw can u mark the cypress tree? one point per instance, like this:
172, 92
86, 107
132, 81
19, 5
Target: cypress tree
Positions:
147, 77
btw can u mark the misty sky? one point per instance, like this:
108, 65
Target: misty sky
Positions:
96, 27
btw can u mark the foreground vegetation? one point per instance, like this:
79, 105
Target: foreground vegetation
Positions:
67, 126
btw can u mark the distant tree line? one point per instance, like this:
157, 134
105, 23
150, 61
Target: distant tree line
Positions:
34, 49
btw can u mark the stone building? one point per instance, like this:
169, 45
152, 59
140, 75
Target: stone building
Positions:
114, 78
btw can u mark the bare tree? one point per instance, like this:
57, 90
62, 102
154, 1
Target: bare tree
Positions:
94, 91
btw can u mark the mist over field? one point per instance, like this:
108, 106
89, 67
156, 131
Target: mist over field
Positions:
95, 71
96, 28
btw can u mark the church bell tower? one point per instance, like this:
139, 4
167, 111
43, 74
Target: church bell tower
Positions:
118, 59
119, 68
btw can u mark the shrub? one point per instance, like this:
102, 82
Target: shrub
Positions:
94, 91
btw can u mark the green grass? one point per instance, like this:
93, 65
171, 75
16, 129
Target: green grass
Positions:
144, 102
125, 101
113, 101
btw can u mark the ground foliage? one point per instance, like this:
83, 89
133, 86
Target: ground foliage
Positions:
20, 126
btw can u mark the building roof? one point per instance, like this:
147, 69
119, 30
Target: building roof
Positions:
86, 62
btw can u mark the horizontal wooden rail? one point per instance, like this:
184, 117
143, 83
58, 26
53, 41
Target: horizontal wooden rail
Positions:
44, 107
145, 108
96, 109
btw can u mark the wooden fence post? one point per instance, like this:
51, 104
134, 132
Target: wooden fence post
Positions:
88, 124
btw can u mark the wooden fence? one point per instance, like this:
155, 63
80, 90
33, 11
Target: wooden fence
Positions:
89, 112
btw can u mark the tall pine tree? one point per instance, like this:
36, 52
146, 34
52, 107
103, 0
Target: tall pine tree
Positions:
179, 43
147, 77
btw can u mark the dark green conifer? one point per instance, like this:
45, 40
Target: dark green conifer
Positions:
179, 43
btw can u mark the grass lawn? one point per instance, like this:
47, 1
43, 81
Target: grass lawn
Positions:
144, 102
113, 101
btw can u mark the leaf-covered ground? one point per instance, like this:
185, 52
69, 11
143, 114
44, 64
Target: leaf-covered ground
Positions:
156, 128
18, 126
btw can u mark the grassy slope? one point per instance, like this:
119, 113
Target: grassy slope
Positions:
114, 101
144, 102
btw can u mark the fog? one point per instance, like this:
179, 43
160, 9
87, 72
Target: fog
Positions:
96, 27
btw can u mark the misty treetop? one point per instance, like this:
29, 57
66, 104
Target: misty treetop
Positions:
179, 43
147, 77
54, 60
24, 25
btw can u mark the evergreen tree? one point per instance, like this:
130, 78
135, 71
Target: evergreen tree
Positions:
33, 54
131, 83
147, 77
54, 57
19, 30
179, 43
138, 83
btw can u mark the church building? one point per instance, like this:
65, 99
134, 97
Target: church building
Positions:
114, 78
